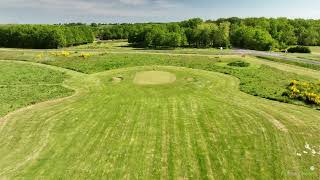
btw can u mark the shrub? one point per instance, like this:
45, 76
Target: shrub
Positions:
40, 56
299, 49
239, 64
62, 53
85, 55
305, 91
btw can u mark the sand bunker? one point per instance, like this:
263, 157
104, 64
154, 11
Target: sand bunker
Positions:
117, 79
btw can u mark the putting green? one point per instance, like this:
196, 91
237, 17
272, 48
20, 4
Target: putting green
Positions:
201, 129
154, 78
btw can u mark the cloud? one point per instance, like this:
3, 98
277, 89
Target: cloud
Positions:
96, 7
147, 10
83, 3
133, 2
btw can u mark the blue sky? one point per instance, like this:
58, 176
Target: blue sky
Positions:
56, 11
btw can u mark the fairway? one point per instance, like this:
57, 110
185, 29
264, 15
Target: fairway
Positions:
198, 126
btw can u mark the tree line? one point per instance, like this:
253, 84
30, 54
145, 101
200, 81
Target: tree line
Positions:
44, 36
249, 33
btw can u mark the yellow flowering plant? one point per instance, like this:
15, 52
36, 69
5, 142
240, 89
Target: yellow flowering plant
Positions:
61, 53
40, 56
309, 92
85, 55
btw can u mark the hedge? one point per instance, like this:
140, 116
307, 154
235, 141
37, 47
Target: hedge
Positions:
299, 49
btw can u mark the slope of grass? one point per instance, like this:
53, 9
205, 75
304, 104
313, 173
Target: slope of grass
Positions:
199, 127
23, 84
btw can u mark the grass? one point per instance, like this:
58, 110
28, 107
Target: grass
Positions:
201, 129
154, 77
123, 46
310, 57
315, 49
22, 85
239, 64
257, 80
297, 63
314, 56
204, 124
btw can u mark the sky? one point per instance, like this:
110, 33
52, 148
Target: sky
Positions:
131, 11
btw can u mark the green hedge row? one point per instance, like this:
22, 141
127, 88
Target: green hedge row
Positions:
44, 36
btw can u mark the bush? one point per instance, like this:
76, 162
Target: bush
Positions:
304, 91
239, 64
299, 49
85, 55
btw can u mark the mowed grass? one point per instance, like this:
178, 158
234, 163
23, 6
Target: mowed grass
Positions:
199, 127
24, 84
154, 78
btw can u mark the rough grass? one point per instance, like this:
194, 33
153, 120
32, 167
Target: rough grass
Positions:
239, 64
201, 129
23, 84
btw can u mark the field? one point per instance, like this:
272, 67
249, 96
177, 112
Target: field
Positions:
125, 113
